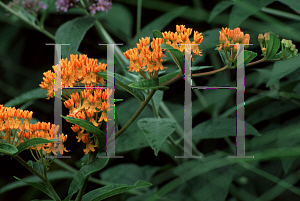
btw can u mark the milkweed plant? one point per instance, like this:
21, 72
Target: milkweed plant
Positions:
259, 133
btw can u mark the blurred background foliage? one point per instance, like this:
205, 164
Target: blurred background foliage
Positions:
24, 57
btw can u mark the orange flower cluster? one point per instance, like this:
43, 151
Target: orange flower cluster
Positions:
229, 37
78, 69
141, 58
10, 123
181, 36
93, 101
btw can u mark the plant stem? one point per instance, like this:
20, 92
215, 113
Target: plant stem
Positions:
33, 171
177, 77
92, 156
137, 113
139, 19
106, 37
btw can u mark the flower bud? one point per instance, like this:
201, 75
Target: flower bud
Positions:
237, 30
264, 50
222, 38
293, 48
267, 36
226, 45
241, 36
261, 38
236, 38
247, 36
246, 42
230, 34
235, 48
295, 52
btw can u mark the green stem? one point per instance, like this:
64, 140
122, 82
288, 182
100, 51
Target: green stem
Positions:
33, 171
134, 116
281, 13
154, 109
106, 37
39, 28
139, 19
92, 156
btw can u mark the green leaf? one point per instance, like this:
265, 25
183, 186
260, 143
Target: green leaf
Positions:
157, 130
168, 77
87, 125
37, 166
38, 186
282, 69
26, 97
220, 128
123, 82
160, 22
249, 56
132, 138
273, 46
51, 175
222, 55
128, 173
148, 84
33, 142
293, 4
157, 34
79, 178
157, 98
219, 8
118, 21
72, 32
176, 55
118, 100
244, 9
111, 190
8, 149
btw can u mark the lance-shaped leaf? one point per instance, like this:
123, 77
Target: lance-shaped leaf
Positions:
33, 142
87, 125
177, 56
248, 57
76, 28
38, 186
78, 181
157, 130
157, 34
148, 84
272, 46
8, 149
111, 190
123, 82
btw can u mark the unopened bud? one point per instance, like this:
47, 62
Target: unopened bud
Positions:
267, 36
264, 50
230, 34
295, 52
222, 38
293, 48
236, 38
246, 42
235, 48
226, 45
261, 38
241, 36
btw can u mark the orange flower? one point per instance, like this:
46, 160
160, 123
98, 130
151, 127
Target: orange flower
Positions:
89, 147
10, 123
228, 38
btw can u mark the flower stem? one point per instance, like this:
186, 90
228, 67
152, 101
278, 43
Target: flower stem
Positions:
137, 113
92, 156
33, 171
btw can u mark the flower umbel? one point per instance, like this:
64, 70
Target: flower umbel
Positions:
143, 59
181, 36
230, 39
